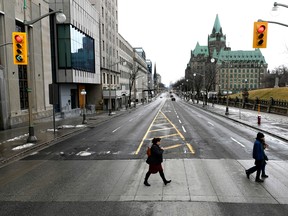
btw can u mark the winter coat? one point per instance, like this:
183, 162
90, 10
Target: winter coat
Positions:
258, 150
156, 156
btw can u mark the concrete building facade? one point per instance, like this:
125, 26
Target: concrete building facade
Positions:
77, 57
66, 55
14, 78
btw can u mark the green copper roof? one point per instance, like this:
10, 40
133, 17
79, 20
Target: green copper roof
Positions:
200, 50
217, 33
217, 25
240, 55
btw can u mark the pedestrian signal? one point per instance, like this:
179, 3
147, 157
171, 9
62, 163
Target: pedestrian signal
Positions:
20, 51
260, 34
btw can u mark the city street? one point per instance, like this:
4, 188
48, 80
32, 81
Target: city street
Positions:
100, 171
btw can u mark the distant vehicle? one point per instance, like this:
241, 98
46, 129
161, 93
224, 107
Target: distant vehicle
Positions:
173, 99
160, 96
171, 96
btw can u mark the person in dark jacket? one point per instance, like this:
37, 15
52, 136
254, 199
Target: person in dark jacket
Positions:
155, 160
259, 156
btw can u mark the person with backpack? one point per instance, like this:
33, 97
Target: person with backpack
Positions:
155, 160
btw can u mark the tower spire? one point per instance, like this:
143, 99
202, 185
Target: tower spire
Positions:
217, 26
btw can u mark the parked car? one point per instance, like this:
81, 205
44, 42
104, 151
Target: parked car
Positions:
173, 99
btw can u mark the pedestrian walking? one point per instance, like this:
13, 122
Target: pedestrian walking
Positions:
155, 160
259, 156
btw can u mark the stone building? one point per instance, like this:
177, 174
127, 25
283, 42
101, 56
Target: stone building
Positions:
63, 54
223, 70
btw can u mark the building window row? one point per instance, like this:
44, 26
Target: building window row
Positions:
114, 79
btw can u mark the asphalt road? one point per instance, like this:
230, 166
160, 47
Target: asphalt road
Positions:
90, 173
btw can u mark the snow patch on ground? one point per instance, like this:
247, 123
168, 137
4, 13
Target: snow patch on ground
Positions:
27, 145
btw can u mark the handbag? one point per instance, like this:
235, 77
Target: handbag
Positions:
148, 151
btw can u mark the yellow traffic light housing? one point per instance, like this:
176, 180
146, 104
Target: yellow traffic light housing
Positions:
20, 49
260, 34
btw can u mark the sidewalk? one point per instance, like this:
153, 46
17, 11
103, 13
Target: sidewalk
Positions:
275, 125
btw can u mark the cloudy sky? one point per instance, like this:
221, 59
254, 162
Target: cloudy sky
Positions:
168, 29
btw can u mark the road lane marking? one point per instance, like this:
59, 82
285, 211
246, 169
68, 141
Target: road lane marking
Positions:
182, 137
183, 129
180, 121
144, 137
211, 124
116, 129
175, 134
180, 134
157, 125
173, 146
177, 116
190, 148
238, 142
165, 136
162, 129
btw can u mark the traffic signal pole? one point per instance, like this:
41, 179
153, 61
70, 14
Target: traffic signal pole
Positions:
31, 137
278, 23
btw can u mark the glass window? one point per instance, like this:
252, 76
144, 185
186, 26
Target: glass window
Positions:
75, 49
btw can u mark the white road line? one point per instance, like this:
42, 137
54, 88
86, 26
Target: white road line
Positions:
180, 121
211, 124
183, 129
237, 142
116, 129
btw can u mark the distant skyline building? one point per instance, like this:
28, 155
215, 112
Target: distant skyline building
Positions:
234, 70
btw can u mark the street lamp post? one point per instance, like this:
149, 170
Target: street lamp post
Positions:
83, 93
275, 8
60, 18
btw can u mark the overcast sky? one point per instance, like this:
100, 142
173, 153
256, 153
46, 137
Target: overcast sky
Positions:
168, 30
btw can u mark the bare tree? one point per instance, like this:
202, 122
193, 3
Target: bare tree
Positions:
132, 78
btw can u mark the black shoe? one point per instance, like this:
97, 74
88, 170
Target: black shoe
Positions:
264, 176
259, 180
247, 174
167, 182
146, 183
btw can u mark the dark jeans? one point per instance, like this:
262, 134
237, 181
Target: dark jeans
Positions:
258, 167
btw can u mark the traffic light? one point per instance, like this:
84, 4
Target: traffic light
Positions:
260, 34
20, 50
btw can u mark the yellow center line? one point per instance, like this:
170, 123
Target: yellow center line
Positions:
170, 147
190, 148
161, 129
179, 133
140, 145
165, 136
